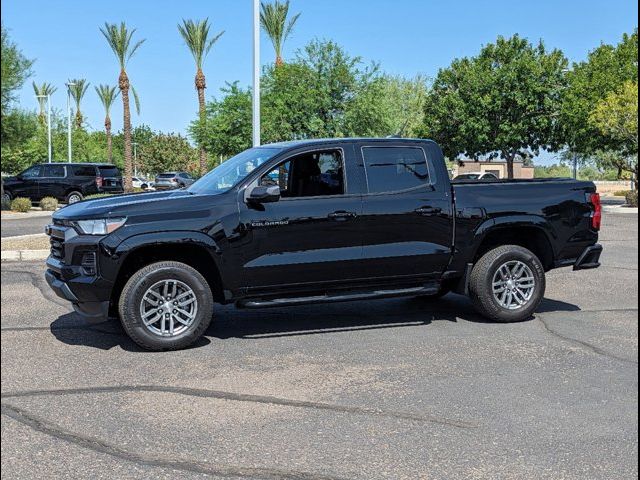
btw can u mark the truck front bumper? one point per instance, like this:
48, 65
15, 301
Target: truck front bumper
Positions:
82, 291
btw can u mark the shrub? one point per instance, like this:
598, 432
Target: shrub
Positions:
49, 204
621, 193
632, 199
21, 204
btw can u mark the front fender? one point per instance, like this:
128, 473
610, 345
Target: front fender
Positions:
118, 254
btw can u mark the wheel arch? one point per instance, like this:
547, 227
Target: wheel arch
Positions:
531, 232
191, 248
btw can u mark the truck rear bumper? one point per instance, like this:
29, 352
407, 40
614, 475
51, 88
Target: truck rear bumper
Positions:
590, 258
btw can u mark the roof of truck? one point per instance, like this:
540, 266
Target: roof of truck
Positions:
321, 141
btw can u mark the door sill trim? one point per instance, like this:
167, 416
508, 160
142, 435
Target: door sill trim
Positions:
349, 297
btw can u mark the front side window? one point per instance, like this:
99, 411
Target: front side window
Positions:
312, 174
393, 169
32, 172
54, 171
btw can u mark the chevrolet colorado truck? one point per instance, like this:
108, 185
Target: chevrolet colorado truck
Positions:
318, 221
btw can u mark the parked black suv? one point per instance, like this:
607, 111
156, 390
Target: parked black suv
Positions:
68, 182
319, 221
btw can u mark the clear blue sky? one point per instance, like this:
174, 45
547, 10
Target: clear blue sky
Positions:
406, 36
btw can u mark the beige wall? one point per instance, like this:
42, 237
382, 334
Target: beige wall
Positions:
497, 168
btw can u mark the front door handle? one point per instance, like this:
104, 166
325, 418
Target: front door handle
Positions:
428, 211
341, 216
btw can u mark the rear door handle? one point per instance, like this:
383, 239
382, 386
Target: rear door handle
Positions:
428, 211
341, 216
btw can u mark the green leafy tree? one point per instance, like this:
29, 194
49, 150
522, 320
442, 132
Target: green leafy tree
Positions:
42, 91
119, 38
16, 68
196, 36
502, 103
589, 83
168, 152
273, 18
78, 87
107, 96
227, 129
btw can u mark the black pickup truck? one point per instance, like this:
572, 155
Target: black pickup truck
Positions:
318, 221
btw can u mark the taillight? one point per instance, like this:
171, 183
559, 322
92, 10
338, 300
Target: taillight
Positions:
99, 182
596, 215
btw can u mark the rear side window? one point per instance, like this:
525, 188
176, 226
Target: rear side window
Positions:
393, 169
109, 171
84, 171
55, 171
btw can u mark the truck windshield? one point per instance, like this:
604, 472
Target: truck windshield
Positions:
233, 171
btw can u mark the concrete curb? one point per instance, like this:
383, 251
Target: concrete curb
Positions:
621, 209
24, 255
21, 237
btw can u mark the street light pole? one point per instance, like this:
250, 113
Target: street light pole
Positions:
69, 85
50, 150
135, 158
256, 73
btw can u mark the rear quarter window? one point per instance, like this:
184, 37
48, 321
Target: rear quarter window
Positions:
84, 171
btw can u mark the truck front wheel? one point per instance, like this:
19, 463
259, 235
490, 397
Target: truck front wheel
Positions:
507, 284
166, 306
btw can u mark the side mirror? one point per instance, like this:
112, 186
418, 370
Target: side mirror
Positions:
264, 194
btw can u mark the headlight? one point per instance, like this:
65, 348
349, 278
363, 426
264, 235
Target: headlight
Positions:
103, 226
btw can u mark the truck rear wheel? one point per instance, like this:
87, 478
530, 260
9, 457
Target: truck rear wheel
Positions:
507, 284
166, 306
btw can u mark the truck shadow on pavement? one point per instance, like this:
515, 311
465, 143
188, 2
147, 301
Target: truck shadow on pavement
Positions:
230, 322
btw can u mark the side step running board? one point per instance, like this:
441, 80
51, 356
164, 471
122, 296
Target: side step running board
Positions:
288, 302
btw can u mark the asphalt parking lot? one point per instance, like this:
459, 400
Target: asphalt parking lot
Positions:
393, 389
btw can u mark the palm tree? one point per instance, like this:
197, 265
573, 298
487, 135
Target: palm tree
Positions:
273, 18
42, 91
107, 96
119, 39
196, 36
78, 87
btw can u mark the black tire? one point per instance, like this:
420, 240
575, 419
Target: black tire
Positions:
73, 197
481, 284
7, 197
131, 299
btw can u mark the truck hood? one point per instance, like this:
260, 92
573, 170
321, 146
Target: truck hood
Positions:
132, 205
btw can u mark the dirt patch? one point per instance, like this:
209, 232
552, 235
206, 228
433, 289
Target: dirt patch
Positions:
32, 242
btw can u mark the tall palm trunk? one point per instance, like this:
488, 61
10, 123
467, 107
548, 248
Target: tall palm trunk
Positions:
201, 84
123, 83
107, 128
78, 119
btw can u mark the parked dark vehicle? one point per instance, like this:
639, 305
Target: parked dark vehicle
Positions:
68, 182
318, 221
173, 180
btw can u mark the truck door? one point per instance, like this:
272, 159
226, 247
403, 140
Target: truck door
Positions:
312, 234
406, 219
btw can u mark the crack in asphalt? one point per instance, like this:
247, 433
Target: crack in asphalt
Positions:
588, 346
92, 443
243, 397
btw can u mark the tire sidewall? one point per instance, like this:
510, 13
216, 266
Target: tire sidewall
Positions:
490, 303
134, 292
